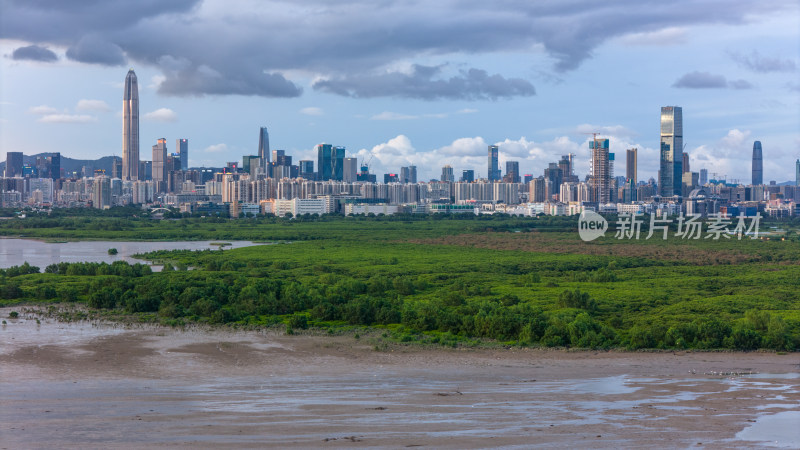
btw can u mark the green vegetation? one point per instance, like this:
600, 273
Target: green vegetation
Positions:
112, 251
439, 279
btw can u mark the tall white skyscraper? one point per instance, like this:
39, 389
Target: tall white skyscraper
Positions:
670, 179
130, 128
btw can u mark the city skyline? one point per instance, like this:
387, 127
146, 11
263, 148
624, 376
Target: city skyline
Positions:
433, 100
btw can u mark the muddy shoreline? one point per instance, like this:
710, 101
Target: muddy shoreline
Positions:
95, 385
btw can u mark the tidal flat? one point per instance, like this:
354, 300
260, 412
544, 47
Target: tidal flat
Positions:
96, 384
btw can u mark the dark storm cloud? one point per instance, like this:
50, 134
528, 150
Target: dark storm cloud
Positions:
342, 40
760, 63
472, 84
93, 49
204, 80
34, 53
705, 80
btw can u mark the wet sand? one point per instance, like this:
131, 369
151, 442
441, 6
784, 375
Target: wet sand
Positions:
85, 385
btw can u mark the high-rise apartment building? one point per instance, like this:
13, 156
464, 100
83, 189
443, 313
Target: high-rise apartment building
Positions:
670, 175
13, 164
130, 128
631, 164
600, 181
160, 164
494, 165
182, 148
685, 163
758, 167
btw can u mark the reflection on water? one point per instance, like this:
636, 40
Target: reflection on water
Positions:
14, 252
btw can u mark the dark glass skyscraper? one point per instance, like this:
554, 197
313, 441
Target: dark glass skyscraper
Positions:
670, 177
263, 147
494, 169
182, 148
758, 167
631, 165
130, 128
13, 164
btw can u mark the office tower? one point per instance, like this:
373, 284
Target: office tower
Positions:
703, 177
527, 178
330, 162
601, 174
130, 128
182, 148
390, 178
632, 156
13, 164
249, 163
671, 160
263, 146
494, 169
447, 174
512, 171
350, 170
306, 169
404, 174
412, 174
758, 167
554, 177
468, 176
116, 167
797, 173
160, 164
685, 163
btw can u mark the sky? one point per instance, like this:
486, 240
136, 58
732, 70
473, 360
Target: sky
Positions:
408, 82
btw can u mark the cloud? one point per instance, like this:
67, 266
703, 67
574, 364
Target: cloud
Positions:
252, 46
34, 53
467, 111
161, 115
67, 118
757, 62
42, 109
472, 84
204, 80
92, 105
388, 115
662, 37
94, 49
216, 148
706, 80
312, 111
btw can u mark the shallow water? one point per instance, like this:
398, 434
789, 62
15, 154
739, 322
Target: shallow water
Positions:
14, 252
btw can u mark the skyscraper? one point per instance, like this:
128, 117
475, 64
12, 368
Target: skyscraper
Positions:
468, 176
160, 164
182, 148
130, 128
350, 170
758, 167
670, 176
447, 174
263, 147
685, 163
512, 171
797, 173
13, 164
703, 177
494, 169
324, 161
601, 171
631, 164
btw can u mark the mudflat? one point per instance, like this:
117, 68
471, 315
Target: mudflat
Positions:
101, 385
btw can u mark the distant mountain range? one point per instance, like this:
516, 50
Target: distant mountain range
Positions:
70, 165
